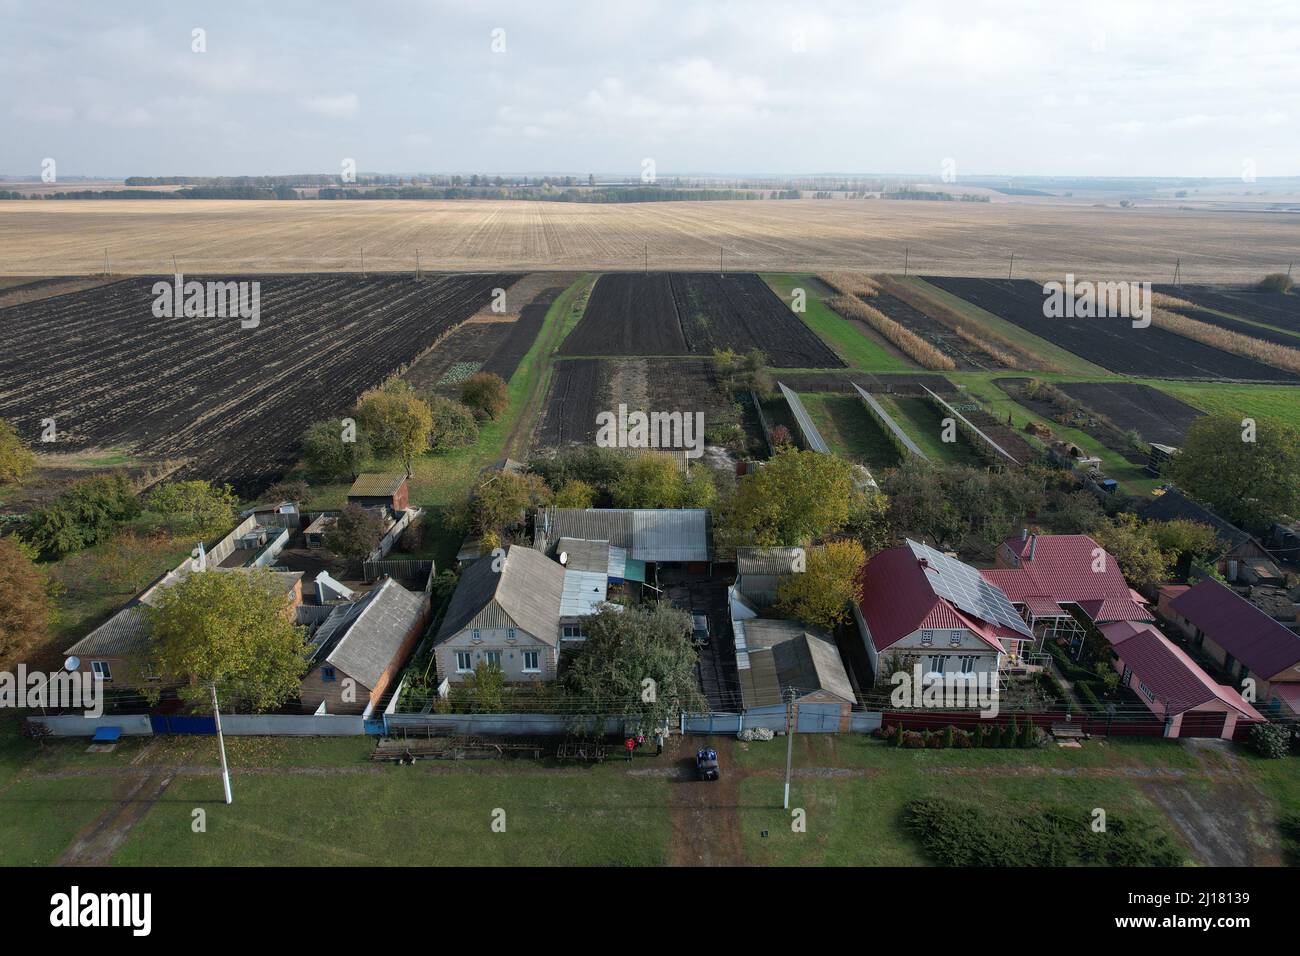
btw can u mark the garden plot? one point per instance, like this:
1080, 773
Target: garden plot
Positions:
1112, 343
943, 338
582, 388
1280, 310
231, 402
649, 314
1155, 416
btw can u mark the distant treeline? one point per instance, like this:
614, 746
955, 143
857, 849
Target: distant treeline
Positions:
194, 192
614, 195
926, 194
262, 182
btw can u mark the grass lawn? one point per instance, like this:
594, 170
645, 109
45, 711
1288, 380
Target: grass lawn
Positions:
859, 351
849, 429
923, 423
1280, 402
421, 815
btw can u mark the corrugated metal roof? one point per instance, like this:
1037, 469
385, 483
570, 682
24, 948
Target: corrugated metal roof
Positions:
773, 561
525, 593
774, 657
378, 485
892, 425
811, 436
583, 555
122, 635
374, 633
584, 591
1059, 567
1240, 628
646, 534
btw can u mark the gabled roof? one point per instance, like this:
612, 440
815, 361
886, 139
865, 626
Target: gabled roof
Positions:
380, 485
361, 639
774, 657
899, 597
525, 593
581, 554
647, 534
1174, 505
1168, 672
1057, 569
1239, 627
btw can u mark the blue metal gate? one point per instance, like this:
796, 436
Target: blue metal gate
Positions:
182, 724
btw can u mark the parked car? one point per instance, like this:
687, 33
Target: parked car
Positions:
700, 629
706, 765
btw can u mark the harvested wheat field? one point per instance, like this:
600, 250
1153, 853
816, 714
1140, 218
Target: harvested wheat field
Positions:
61, 237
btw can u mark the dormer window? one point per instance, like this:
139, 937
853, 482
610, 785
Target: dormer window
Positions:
954, 638
927, 638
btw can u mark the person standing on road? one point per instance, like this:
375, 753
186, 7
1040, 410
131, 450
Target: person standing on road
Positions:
630, 744
659, 744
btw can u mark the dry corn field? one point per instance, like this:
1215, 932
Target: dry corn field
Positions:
1270, 353
911, 344
61, 237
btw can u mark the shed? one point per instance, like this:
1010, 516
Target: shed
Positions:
385, 489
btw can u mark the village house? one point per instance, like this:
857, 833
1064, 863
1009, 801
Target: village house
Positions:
1061, 583
1242, 558
649, 536
1243, 640
1172, 686
921, 606
360, 647
505, 611
384, 490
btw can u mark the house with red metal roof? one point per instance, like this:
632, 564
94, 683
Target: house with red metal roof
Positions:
1054, 579
1243, 640
920, 606
1171, 684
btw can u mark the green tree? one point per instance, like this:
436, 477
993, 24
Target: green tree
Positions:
501, 500
84, 514
453, 424
485, 394
1134, 548
24, 595
651, 481
233, 629
624, 649
1182, 538
397, 421
197, 507
16, 459
335, 451
1249, 482
823, 592
796, 497
482, 692
356, 533
574, 493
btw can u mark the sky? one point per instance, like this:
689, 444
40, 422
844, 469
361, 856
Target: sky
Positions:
994, 88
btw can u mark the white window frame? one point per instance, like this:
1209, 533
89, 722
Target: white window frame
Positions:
968, 663
537, 657
469, 657
101, 669
927, 638
954, 638
493, 657
943, 663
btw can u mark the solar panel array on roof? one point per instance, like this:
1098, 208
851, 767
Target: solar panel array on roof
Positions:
811, 435
966, 588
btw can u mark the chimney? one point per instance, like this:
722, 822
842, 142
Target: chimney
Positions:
1024, 534
1033, 543
923, 562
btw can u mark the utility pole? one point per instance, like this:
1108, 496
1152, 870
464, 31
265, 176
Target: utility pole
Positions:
905, 252
106, 273
719, 262
647, 257
417, 265
1178, 268
221, 745
176, 270
1011, 265
789, 743
363, 262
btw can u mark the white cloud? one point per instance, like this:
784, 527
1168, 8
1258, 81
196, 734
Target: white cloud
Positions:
333, 107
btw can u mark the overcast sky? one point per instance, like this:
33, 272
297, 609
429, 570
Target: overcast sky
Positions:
1108, 88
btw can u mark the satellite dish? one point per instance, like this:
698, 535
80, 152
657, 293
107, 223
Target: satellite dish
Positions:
72, 663
564, 557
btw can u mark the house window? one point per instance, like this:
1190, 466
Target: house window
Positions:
101, 669
510, 634
927, 638
532, 662
477, 635
968, 664
954, 638
464, 662
937, 662
1147, 691
494, 658
572, 631
327, 674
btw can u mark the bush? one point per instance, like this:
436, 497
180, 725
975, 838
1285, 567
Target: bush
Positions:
83, 515
485, 395
1089, 696
957, 833
1270, 740
1275, 282
913, 740
454, 425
